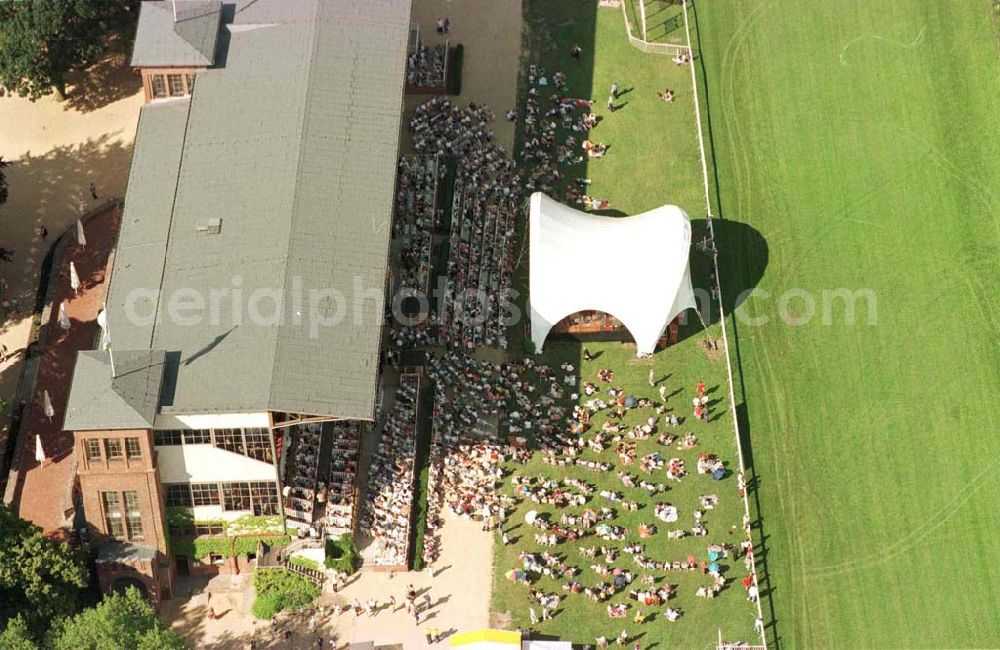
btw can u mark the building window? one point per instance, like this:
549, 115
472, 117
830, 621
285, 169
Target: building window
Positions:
230, 439
175, 83
132, 516
209, 529
113, 515
236, 496
258, 443
133, 450
158, 85
92, 447
113, 448
205, 494
197, 437
265, 498
215, 559
166, 437
178, 494
189, 78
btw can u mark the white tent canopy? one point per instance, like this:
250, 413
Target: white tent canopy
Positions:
634, 268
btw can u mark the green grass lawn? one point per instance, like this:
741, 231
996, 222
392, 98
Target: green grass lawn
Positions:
580, 620
861, 140
653, 160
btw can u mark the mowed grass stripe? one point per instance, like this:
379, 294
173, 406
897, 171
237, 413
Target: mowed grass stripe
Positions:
870, 167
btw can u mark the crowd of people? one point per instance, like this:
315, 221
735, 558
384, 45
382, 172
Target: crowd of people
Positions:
337, 493
417, 218
426, 66
586, 512
301, 478
386, 516
486, 195
472, 402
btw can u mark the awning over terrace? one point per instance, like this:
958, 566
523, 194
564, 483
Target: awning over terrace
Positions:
634, 268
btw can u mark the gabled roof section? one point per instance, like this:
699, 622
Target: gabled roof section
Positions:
190, 41
292, 144
128, 400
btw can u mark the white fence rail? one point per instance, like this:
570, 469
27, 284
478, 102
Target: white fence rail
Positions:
722, 318
647, 46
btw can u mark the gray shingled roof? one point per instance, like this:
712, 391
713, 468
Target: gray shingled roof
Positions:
127, 401
293, 144
190, 41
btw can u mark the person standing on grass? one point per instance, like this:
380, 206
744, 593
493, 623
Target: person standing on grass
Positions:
663, 393
614, 90
575, 51
587, 356
701, 388
758, 626
652, 377
533, 616
752, 593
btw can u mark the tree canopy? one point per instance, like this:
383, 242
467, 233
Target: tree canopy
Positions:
41, 41
119, 621
40, 579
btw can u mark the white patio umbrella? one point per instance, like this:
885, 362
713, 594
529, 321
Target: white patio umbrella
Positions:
530, 517
47, 404
63, 318
80, 237
74, 278
39, 450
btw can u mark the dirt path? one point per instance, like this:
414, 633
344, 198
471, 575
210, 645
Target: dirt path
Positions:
56, 151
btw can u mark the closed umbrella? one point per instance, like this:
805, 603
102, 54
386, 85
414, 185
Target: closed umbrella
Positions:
47, 404
80, 237
74, 278
39, 450
63, 318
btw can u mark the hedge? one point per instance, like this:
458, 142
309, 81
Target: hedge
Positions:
200, 547
341, 554
280, 589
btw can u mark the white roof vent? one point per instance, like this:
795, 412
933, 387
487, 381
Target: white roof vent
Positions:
209, 227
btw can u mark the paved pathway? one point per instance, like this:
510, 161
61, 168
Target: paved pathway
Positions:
55, 152
42, 492
459, 590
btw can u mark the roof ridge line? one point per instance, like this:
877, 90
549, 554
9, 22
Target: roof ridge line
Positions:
300, 153
170, 221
